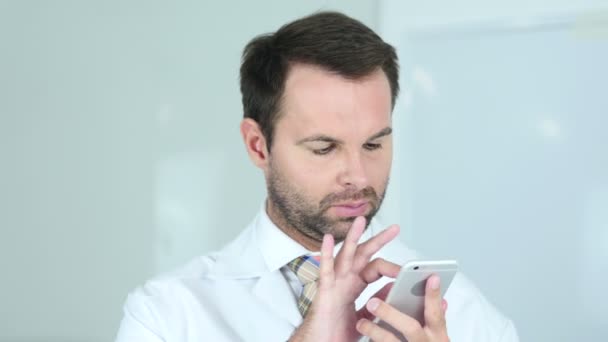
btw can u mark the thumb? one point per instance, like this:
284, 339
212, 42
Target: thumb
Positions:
382, 294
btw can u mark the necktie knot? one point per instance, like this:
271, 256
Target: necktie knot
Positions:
306, 268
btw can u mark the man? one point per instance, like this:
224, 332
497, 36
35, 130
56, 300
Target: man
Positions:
318, 97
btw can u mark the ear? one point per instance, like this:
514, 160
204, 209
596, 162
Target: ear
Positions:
255, 143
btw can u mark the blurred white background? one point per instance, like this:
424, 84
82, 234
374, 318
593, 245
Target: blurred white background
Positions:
121, 156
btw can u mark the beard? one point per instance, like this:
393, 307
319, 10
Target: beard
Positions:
298, 212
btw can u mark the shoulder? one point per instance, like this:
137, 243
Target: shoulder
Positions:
167, 286
168, 291
165, 290
196, 268
148, 307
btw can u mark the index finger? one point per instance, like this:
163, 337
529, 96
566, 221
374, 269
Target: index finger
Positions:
344, 259
373, 245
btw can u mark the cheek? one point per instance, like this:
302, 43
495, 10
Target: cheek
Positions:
303, 175
379, 169
309, 177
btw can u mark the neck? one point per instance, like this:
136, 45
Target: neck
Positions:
312, 244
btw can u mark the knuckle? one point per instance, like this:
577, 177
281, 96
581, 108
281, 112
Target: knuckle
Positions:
326, 273
376, 262
431, 314
383, 335
411, 328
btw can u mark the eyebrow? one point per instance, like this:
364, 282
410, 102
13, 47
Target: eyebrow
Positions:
324, 138
382, 133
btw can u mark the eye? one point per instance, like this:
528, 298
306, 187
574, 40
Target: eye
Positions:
371, 147
323, 151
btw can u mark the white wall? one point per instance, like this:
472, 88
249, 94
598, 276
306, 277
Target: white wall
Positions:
120, 152
436, 13
502, 129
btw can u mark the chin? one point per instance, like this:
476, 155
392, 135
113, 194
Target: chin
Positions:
341, 227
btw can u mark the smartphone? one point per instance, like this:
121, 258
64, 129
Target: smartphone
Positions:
407, 294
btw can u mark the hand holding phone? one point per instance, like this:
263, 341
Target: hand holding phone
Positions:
408, 292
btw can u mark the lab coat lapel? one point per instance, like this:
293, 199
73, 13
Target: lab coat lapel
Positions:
242, 259
273, 291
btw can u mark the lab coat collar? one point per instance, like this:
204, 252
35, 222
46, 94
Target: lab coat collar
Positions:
259, 252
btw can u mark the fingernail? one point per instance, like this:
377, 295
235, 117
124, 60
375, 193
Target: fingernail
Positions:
434, 282
373, 304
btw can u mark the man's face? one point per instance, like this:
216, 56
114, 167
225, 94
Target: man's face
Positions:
331, 155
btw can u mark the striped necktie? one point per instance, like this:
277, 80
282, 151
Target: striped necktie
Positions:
306, 268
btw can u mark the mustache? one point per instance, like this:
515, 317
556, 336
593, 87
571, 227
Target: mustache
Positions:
349, 195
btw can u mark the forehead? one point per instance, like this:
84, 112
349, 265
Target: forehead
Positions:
316, 101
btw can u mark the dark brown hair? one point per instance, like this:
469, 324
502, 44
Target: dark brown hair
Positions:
330, 40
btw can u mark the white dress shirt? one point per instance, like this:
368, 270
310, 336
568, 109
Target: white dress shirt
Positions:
244, 292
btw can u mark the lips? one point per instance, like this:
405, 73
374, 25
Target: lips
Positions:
351, 208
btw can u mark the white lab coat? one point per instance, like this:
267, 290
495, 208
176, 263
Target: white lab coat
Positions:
240, 294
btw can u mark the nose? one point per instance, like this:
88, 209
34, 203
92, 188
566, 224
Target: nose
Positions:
353, 175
